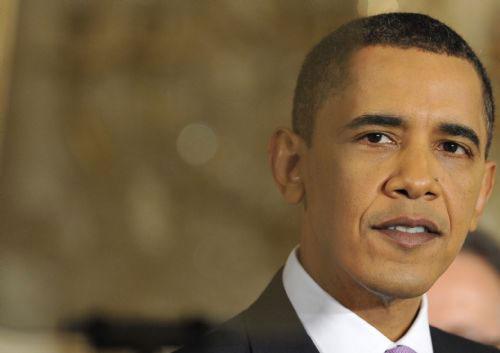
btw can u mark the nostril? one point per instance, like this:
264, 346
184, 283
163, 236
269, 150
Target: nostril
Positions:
403, 192
430, 194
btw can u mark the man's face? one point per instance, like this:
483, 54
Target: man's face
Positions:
396, 148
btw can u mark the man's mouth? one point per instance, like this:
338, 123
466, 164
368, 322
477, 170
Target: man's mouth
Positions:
409, 232
412, 230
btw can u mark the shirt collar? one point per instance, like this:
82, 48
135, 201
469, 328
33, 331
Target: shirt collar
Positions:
334, 328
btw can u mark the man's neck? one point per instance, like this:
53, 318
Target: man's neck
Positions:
391, 316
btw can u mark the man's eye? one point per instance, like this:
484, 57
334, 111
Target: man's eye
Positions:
376, 137
455, 148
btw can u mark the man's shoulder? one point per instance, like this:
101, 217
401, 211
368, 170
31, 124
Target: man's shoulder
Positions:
270, 324
443, 342
230, 337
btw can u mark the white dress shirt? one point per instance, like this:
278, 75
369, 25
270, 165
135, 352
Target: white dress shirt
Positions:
335, 329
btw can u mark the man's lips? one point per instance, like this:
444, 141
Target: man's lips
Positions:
409, 232
408, 240
405, 221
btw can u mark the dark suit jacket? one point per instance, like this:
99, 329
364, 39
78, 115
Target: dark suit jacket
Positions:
270, 325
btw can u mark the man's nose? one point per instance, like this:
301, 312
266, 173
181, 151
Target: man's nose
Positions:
414, 176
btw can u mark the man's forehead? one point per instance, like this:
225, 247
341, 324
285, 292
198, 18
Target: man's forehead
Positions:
411, 83
394, 63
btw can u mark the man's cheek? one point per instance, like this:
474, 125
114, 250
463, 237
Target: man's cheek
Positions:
466, 191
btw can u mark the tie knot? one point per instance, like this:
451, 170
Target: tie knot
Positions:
400, 349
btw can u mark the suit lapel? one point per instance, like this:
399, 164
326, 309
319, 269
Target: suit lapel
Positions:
272, 324
444, 342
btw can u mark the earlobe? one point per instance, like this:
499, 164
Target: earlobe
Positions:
484, 194
285, 156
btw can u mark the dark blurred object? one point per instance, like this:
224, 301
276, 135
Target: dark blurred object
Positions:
138, 335
485, 246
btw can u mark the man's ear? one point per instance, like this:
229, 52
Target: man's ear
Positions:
285, 152
484, 193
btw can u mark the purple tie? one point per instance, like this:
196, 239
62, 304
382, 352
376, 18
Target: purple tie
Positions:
400, 349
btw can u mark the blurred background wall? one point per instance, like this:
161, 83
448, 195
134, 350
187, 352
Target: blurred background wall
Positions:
134, 178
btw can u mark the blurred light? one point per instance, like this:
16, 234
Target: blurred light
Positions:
375, 7
150, 212
197, 144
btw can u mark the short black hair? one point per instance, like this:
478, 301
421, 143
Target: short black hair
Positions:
325, 67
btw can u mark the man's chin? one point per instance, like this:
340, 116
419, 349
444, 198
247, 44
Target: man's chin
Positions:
397, 288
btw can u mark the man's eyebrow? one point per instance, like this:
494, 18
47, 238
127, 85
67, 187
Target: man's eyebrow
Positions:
452, 129
375, 119
460, 130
